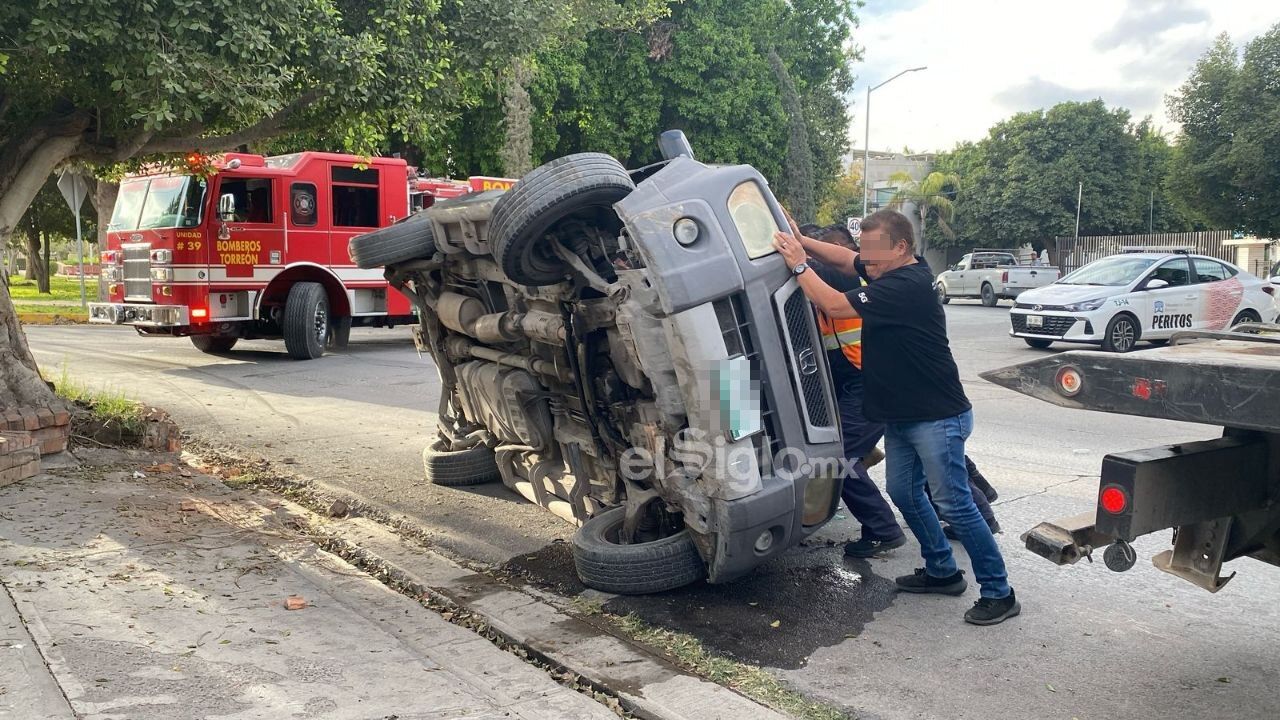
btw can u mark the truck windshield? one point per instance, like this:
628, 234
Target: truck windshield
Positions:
163, 202
1112, 271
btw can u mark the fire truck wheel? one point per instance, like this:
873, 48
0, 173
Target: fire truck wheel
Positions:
455, 468
585, 185
213, 344
306, 321
659, 565
407, 239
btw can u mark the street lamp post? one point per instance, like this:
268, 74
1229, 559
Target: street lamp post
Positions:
866, 141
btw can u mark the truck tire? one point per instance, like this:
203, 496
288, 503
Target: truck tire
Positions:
583, 185
306, 321
1038, 343
456, 468
942, 293
1122, 334
407, 239
1246, 316
213, 344
989, 297
637, 569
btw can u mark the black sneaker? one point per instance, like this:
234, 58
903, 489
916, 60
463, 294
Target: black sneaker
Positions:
991, 611
922, 582
951, 533
866, 547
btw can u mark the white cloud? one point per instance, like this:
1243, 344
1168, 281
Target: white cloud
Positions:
988, 59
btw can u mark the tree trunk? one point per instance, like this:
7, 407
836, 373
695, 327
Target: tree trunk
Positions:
104, 200
20, 381
46, 267
34, 258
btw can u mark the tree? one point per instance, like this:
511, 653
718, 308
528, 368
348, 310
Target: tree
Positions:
931, 197
103, 82
798, 169
1226, 168
843, 199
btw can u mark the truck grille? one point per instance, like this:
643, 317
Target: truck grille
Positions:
1055, 325
800, 329
137, 271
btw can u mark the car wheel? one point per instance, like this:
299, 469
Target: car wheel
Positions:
1121, 335
1038, 344
989, 298
1246, 316
408, 239
306, 321
583, 186
942, 293
213, 344
637, 569
456, 468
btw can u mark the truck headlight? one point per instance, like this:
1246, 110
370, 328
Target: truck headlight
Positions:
1087, 305
162, 257
686, 231
162, 274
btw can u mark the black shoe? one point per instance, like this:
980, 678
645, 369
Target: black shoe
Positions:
951, 533
991, 611
866, 547
980, 481
922, 582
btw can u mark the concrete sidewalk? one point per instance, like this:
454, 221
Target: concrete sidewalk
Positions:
139, 590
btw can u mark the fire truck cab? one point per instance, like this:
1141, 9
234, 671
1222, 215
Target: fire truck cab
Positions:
258, 249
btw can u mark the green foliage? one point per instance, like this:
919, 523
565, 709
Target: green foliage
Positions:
843, 198
931, 198
1020, 182
1226, 169
702, 67
799, 164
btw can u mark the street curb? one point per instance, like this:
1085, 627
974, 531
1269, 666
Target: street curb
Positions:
647, 685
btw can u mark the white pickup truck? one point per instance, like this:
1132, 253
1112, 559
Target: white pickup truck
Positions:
991, 276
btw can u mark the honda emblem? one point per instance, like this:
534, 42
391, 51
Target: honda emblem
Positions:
808, 362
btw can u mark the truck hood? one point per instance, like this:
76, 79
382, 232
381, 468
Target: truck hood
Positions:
1059, 294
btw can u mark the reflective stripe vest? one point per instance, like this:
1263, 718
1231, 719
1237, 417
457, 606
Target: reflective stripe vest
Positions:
844, 335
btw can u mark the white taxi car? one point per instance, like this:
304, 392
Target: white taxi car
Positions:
1117, 301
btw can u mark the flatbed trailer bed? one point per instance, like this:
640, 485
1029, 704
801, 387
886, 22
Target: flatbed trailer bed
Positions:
1221, 497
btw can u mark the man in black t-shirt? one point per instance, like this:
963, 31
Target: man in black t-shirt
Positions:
912, 384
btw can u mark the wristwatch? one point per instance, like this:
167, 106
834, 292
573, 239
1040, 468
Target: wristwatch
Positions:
799, 269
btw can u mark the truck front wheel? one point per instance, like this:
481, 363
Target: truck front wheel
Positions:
306, 321
213, 344
942, 293
1122, 334
605, 564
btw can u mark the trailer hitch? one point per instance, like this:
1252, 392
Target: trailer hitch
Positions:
1066, 542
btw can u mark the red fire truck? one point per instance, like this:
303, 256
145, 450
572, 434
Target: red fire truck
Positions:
258, 249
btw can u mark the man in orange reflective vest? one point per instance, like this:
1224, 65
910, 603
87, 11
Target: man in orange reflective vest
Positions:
842, 339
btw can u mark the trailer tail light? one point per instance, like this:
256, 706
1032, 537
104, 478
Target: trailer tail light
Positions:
1145, 389
1068, 381
1113, 499
199, 313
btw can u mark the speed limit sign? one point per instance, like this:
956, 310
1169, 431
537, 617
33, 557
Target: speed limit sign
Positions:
855, 226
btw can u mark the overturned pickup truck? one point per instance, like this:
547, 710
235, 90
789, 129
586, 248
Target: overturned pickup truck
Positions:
626, 350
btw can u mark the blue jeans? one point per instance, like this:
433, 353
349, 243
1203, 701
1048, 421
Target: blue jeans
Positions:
933, 452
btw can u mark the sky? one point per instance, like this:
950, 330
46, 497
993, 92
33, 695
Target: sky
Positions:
988, 59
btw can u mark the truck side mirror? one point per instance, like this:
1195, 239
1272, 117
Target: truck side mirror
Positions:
1156, 284
227, 207
1275, 279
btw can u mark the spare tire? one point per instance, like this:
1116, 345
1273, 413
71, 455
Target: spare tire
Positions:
408, 239
648, 567
584, 185
456, 468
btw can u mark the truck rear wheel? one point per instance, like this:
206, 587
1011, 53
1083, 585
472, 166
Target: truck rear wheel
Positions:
213, 344
584, 185
989, 298
306, 321
457, 468
408, 239
607, 565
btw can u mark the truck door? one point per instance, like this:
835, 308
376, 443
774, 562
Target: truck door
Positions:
961, 283
308, 237
253, 238
1166, 310
1218, 294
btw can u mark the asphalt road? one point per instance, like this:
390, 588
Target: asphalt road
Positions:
1089, 644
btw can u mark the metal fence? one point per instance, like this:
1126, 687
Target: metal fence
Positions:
1075, 252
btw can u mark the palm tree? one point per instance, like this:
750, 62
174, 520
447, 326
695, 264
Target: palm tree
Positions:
932, 198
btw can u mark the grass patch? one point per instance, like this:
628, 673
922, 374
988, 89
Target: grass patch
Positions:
109, 407
48, 314
756, 683
60, 288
